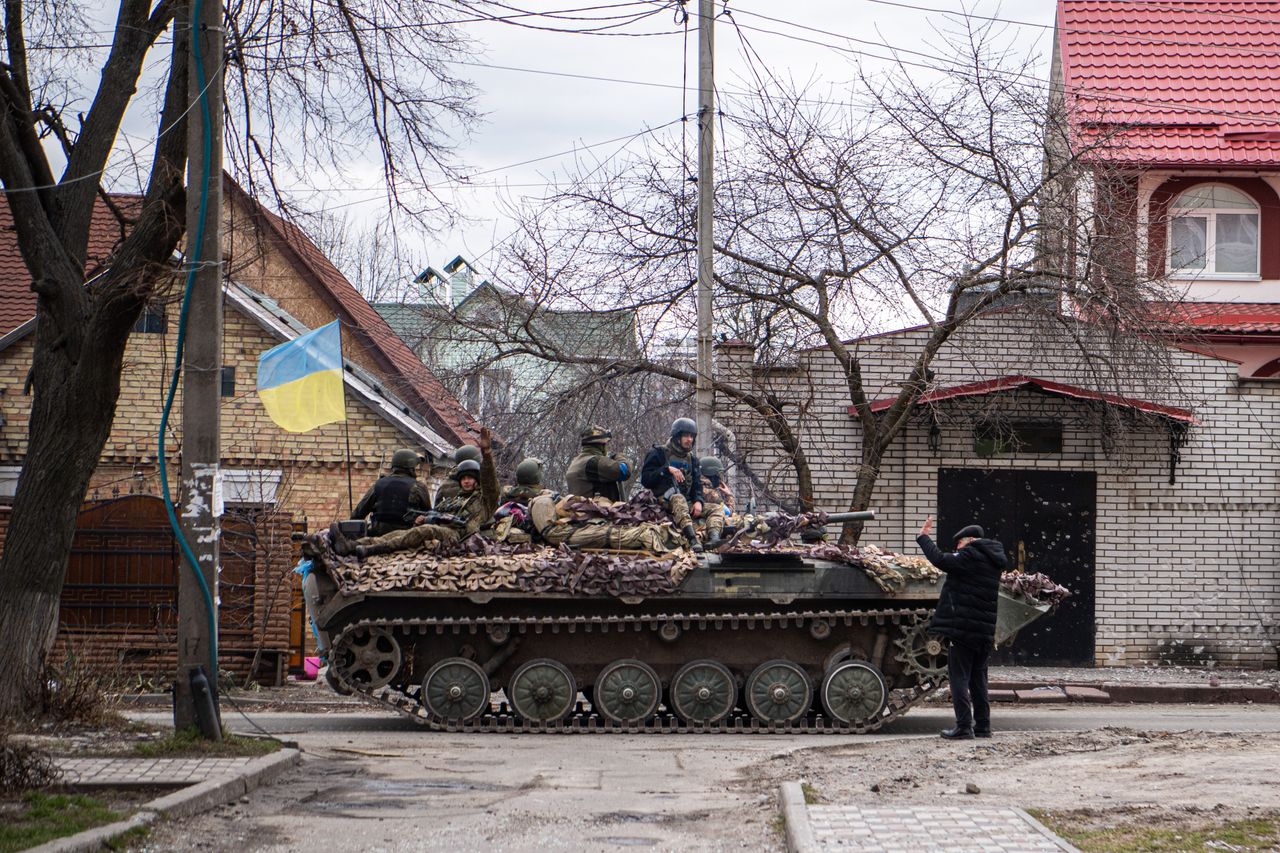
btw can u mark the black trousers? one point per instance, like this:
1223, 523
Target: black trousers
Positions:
967, 670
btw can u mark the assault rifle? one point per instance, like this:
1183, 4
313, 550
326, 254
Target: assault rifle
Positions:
430, 516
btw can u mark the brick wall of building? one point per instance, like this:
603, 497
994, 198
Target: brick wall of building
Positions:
1189, 565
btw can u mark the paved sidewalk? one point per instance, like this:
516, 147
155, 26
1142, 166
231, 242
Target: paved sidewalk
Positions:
141, 772
912, 829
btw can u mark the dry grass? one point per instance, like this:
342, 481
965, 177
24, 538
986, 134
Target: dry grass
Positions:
74, 694
24, 767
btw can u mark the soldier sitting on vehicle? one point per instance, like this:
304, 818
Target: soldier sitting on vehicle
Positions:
671, 472
449, 488
595, 472
454, 518
528, 483
390, 498
716, 499
557, 522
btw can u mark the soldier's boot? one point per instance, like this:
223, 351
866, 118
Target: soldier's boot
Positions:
713, 538
373, 550
342, 546
692, 536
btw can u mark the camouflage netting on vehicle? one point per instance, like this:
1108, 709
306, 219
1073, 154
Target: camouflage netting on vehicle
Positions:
642, 506
477, 565
1036, 587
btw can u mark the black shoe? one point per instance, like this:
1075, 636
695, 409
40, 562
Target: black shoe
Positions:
957, 733
692, 536
981, 732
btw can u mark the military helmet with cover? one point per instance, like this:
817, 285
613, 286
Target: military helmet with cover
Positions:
529, 472
594, 435
465, 452
711, 466
466, 466
683, 425
405, 459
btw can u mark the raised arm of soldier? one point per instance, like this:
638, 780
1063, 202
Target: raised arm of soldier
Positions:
489, 486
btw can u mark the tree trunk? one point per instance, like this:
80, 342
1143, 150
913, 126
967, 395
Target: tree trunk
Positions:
864, 488
73, 406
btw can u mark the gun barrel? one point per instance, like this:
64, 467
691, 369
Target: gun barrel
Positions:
842, 517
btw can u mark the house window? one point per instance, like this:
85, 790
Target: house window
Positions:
250, 486
997, 438
228, 380
9, 482
1213, 230
151, 320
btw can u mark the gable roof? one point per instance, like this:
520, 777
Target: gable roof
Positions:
1220, 318
17, 301
445, 414
1057, 389
1179, 82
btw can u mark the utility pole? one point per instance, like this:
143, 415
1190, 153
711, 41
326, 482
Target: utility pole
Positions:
201, 370
705, 395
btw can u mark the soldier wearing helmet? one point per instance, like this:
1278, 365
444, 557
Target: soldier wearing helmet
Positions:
482, 455
528, 483
454, 518
716, 498
595, 472
390, 498
671, 471
449, 487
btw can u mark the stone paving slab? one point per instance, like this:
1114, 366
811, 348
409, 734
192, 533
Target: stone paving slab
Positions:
930, 829
120, 772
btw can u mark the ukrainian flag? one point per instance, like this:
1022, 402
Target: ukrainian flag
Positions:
300, 382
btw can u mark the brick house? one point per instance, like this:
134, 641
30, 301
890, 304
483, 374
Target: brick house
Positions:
278, 285
1159, 512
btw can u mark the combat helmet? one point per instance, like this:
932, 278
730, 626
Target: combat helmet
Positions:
466, 466
405, 459
594, 435
529, 472
683, 425
467, 451
711, 466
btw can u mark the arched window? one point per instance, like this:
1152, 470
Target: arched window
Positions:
1213, 230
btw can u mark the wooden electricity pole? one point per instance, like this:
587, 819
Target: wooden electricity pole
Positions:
201, 362
705, 395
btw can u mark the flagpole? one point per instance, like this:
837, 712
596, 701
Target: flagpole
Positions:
346, 429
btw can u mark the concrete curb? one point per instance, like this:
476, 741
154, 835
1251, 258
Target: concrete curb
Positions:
795, 818
1147, 694
185, 802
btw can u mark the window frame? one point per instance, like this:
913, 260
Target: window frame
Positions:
1210, 215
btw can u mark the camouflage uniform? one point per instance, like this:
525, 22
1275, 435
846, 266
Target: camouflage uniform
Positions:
557, 525
714, 502
595, 471
466, 506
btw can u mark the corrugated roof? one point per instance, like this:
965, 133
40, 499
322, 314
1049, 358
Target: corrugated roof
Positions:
1060, 389
17, 302
1221, 317
1192, 82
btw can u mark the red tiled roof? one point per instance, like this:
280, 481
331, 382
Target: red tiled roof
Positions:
17, 302
442, 410
1189, 82
1061, 389
1222, 317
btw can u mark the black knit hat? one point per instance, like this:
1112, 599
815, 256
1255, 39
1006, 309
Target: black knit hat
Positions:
972, 531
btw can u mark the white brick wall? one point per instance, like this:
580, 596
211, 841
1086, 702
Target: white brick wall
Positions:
1192, 565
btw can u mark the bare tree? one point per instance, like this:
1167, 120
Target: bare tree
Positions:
921, 201
309, 85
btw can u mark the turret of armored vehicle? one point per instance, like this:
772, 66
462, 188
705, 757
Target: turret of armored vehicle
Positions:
762, 634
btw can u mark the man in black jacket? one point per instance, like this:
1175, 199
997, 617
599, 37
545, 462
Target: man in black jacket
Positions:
391, 497
966, 615
671, 472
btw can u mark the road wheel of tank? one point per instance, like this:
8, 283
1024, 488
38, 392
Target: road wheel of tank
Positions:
703, 692
455, 689
778, 691
371, 657
542, 691
627, 691
854, 692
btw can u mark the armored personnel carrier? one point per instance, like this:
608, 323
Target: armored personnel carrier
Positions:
762, 635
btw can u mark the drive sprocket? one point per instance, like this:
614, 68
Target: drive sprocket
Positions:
922, 653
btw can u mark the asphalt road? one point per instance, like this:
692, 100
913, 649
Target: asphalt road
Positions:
374, 781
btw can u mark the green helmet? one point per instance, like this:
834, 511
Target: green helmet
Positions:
711, 466
594, 435
466, 466
405, 460
467, 451
529, 472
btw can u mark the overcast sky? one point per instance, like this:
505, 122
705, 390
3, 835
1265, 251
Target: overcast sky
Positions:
533, 105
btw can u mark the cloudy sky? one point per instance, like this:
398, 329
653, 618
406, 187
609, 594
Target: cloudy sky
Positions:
563, 99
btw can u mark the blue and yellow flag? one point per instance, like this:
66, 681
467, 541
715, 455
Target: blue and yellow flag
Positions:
300, 382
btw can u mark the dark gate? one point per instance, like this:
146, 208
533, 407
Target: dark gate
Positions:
1045, 520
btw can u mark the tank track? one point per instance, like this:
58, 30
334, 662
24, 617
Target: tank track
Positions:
584, 722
